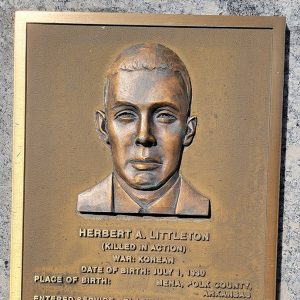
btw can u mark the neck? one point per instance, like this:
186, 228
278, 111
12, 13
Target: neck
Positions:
147, 196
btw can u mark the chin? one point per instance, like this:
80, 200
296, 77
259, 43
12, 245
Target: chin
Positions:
146, 181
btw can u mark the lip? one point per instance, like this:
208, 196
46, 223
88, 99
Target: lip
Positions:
145, 164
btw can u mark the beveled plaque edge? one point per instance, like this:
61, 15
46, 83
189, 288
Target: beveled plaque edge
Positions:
275, 124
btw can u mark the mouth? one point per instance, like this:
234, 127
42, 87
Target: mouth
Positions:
145, 164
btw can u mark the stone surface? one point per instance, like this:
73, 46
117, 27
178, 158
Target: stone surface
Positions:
289, 236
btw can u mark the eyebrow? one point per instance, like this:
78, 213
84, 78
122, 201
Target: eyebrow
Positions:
124, 103
165, 104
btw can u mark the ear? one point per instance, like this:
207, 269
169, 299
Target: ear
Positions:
101, 126
191, 131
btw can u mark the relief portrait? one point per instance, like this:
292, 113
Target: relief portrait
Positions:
147, 124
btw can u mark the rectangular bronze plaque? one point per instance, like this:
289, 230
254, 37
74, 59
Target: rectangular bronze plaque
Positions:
146, 156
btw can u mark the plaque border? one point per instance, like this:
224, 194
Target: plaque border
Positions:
276, 24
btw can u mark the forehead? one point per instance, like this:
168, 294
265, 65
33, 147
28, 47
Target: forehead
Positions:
144, 87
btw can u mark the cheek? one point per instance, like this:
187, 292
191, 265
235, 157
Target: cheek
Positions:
171, 140
174, 133
121, 137
176, 129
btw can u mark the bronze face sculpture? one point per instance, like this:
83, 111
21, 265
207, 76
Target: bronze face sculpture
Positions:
147, 125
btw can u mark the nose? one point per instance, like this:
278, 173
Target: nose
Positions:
145, 137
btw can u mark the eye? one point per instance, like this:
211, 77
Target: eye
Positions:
166, 117
126, 116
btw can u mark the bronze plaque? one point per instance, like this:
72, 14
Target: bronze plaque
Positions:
146, 156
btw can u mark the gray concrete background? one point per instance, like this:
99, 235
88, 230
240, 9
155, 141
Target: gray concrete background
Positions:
289, 237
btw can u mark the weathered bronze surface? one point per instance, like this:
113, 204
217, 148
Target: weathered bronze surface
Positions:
144, 230
147, 124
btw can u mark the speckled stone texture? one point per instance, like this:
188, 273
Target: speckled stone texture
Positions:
289, 236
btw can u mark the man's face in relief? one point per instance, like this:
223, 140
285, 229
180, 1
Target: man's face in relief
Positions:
147, 126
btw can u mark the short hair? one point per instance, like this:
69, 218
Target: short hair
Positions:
149, 56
